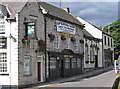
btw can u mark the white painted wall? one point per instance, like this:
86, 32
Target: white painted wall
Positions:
12, 61
96, 33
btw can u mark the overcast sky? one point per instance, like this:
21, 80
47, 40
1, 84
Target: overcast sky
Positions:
97, 13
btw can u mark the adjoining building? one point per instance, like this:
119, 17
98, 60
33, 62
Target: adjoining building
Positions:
64, 42
99, 44
91, 49
92, 46
108, 49
38, 41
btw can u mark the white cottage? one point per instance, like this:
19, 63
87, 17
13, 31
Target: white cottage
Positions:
92, 46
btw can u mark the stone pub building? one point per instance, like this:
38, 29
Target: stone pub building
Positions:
38, 42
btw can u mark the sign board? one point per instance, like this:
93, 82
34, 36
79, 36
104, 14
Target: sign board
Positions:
117, 66
3, 43
65, 27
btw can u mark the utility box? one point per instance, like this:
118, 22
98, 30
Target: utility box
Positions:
116, 63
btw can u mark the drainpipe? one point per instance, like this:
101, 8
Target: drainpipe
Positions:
10, 55
103, 60
45, 22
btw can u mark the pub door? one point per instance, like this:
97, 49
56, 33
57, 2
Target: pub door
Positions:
60, 68
39, 71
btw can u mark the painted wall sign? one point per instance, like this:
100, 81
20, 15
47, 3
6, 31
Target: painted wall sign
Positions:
65, 27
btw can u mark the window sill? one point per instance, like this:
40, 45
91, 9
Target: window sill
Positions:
27, 75
4, 74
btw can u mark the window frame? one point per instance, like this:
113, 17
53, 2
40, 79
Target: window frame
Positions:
77, 45
74, 63
111, 42
67, 61
86, 53
3, 63
56, 42
108, 41
68, 43
2, 25
53, 63
27, 59
105, 40
91, 54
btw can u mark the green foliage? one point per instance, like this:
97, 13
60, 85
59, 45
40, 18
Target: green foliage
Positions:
115, 32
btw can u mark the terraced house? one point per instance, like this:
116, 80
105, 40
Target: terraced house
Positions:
38, 42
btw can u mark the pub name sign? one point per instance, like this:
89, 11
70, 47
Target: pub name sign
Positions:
65, 27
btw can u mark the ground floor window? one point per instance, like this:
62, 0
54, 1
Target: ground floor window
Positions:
52, 63
91, 54
74, 63
27, 65
3, 62
67, 63
78, 63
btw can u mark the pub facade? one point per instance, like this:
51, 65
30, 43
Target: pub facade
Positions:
39, 42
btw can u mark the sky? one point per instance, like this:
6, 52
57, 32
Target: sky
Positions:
96, 12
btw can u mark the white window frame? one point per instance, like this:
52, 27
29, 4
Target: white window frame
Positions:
56, 42
2, 25
86, 53
27, 59
91, 54
68, 43
3, 63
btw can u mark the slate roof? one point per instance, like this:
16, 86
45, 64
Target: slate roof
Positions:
87, 33
59, 12
14, 7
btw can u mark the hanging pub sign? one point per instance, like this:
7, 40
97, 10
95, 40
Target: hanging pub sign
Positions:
65, 27
3, 43
31, 29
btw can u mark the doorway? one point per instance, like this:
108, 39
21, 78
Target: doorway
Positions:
60, 68
39, 71
96, 61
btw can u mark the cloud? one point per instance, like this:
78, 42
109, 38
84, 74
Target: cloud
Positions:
97, 13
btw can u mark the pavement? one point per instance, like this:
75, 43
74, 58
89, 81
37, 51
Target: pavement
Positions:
74, 78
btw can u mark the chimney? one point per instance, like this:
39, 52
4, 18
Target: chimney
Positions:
100, 27
67, 9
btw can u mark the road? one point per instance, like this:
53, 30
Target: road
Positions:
102, 80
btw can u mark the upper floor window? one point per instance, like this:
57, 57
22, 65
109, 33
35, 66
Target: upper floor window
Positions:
68, 43
3, 43
30, 30
77, 45
3, 62
91, 54
2, 25
86, 53
111, 43
56, 42
105, 40
108, 41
